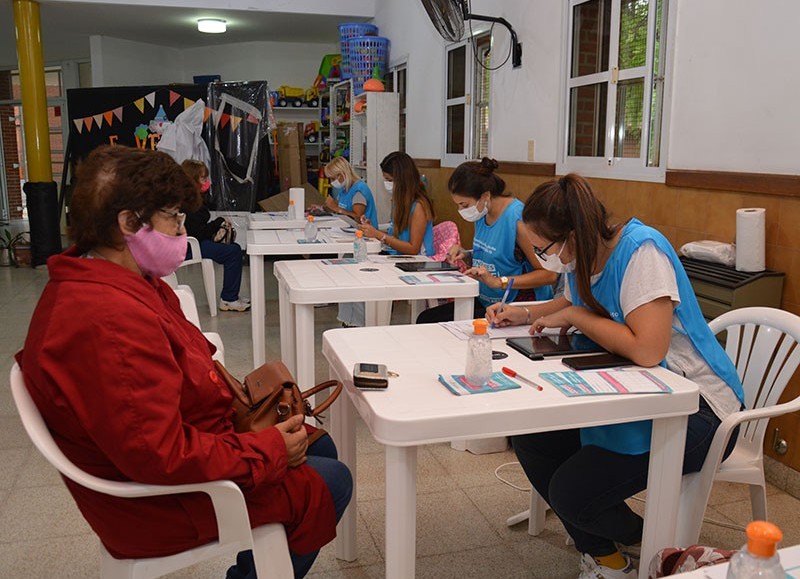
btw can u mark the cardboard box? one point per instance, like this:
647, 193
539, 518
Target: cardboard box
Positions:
280, 202
291, 155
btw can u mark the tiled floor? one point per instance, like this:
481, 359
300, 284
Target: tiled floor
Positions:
462, 507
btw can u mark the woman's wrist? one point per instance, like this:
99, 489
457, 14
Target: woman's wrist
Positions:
384, 237
527, 316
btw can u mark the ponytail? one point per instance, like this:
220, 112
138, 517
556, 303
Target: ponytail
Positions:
474, 178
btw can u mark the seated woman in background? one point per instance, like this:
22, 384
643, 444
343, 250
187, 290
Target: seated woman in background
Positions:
627, 290
502, 253
353, 196
129, 389
209, 233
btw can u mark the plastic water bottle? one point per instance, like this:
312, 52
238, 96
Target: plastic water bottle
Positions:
311, 229
290, 213
360, 247
479, 355
758, 558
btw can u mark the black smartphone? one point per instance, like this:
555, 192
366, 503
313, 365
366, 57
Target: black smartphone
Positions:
596, 361
370, 376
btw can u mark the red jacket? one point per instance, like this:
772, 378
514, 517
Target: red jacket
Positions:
127, 387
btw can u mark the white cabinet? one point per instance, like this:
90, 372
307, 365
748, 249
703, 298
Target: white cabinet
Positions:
369, 123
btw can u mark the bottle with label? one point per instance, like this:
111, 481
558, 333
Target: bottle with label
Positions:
759, 557
311, 229
290, 213
479, 355
360, 247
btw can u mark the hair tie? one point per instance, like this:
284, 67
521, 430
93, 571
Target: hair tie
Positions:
563, 183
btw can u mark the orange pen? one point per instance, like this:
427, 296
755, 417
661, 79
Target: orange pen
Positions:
509, 372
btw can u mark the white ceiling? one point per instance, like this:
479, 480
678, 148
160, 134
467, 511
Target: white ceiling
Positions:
66, 27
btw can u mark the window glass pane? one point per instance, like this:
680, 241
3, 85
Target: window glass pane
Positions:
456, 72
587, 120
401, 87
633, 33
388, 81
52, 81
403, 132
628, 126
455, 129
590, 37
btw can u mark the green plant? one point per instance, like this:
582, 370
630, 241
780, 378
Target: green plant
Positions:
9, 241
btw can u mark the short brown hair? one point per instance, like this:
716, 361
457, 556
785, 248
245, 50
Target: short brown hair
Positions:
195, 169
117, 178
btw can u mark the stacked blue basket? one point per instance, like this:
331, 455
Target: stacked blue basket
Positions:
348, 31
366, 52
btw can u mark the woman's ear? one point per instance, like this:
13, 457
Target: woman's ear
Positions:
128, 222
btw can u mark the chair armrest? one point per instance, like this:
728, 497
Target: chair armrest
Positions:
194, 245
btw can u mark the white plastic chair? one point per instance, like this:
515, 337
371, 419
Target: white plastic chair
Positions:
209, 278
189, 309
763, 344
268, 542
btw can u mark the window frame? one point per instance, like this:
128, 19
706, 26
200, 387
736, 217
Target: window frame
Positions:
608, 166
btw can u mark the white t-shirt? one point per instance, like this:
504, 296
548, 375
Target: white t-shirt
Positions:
650, 276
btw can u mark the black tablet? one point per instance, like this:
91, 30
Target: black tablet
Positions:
539, 347
426, 266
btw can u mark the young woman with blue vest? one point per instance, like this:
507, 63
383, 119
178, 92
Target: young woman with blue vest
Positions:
626, 290
352, 195
502, 253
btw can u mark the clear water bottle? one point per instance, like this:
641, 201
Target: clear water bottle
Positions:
290, 213
759, 557
360, 247
311, 229
479, 355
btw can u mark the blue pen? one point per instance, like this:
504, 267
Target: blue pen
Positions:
505, 297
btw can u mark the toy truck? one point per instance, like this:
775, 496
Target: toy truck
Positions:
290, 95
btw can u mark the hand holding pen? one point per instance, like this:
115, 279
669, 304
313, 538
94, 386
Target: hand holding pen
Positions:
505, 297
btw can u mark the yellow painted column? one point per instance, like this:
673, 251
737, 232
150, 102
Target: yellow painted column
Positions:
34, 92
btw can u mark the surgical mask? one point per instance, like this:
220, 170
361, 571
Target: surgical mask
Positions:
553, 262
472, 214
157, 254
336, 184
389, 186
205, 185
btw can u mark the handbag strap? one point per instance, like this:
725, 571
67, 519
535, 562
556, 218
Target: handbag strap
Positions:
319, 388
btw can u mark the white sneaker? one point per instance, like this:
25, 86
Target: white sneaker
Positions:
237, 306
634, 552
244, 300
590, 569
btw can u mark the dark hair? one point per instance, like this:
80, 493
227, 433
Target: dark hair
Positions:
567, 206
115, 178
195, 169
474, 178
408, 188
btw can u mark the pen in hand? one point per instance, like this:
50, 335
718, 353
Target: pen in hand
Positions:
509, 372
505, 297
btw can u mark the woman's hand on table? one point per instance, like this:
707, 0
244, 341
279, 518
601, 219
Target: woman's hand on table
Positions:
295, 438
482, 274
560, 319
510, 316
370, 231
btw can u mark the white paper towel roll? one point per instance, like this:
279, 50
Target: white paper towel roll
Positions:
298, 194
750, 239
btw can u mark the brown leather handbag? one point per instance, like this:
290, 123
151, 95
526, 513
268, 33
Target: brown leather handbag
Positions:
270, 395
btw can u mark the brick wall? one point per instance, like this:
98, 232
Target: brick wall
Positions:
11, 155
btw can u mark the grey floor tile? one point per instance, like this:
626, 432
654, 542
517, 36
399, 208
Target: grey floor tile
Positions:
37, 472
75, 557
481, 563
40, 513
782, 509
11, 462
471, 470
547, 558
12, 433
368, 553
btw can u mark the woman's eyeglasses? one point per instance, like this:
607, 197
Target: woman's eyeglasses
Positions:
542, 252
179, 217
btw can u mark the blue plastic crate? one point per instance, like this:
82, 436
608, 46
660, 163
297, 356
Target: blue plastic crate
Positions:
365, 53
346, 32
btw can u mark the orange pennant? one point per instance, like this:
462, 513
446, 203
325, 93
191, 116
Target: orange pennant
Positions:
223, 120
206, 114
235, 122
173, 96
108, 116
87, 122
139, 104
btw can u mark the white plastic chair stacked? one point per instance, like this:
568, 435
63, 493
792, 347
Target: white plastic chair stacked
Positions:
268, 542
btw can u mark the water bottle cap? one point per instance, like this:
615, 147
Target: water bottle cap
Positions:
291, 201
311, 218
480, 326
762, 538
359, 233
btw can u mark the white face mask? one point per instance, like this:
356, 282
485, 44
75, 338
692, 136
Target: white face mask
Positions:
389, 186
336, 184
553, 262
472, 213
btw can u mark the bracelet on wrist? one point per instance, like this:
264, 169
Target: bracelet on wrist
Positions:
383, 239
528, 316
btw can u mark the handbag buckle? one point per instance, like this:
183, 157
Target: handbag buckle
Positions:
284, 410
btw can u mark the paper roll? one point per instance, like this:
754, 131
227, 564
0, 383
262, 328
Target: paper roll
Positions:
750, 239
298, 194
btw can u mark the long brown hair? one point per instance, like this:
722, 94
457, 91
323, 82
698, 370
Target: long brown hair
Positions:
474, 178
568, 205
408, 188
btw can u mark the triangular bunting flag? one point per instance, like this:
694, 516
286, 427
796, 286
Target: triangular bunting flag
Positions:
187, 103
223, 120
235, 122
151, 99
78, 125
118, 113
252, 119
87, 122
98, 119
108, 116
206, 114
173, 96
139, 104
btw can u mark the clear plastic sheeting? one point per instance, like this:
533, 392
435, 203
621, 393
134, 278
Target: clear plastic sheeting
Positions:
238, 131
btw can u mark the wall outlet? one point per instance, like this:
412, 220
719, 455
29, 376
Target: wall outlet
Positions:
531, 144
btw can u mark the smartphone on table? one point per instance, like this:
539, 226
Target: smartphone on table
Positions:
596, 361
370, 376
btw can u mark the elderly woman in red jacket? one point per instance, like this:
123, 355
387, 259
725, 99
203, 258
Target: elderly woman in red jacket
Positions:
128, 388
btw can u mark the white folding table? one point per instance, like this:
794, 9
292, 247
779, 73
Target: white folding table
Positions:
263, 242
280, 220
415, 410
302, 284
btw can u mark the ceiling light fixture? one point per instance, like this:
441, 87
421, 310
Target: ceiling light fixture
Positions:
211, 25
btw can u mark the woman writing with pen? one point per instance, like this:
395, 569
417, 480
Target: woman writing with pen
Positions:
501, 249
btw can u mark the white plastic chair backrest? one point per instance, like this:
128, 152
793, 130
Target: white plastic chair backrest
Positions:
188, 304
763, 345
197, 257
171, 280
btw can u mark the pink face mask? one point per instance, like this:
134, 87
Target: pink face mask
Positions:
205, 185
157, 254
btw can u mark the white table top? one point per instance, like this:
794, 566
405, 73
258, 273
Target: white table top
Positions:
285, 242
312, 282
279, 220
417, 409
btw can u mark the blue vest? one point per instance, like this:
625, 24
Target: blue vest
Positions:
493, 248
345, 200
634, 437
405, 235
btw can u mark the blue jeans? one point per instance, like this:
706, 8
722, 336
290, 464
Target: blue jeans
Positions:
230, 256
322, 457
586, 486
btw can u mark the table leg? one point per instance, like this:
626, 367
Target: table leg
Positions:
464, 309
667, 445
343, 431
304, 344
287, 328
401, 511
370, 314
257, 307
